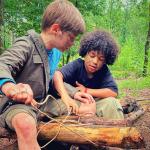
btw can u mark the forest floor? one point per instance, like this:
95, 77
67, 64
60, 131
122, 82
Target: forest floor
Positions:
138, 95
143, 123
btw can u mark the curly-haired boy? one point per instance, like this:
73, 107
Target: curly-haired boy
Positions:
91, 75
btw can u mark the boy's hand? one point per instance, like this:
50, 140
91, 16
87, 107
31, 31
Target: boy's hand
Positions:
19, 92
84, 97
80, 87
71, 105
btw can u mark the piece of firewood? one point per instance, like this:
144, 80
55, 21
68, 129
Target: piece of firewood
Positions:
124, 137
8, 144
95, 124
105, 122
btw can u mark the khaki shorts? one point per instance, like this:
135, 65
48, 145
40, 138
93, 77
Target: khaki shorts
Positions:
6, 117
109, 108
55, 107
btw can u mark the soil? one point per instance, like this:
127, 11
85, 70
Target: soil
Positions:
139, 95
143, 123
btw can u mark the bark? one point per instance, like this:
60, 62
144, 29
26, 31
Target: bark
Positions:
68, 57
1, 24
123, 137
6, 133
147, 46
63, 60
88, 130
8, 144
105, 122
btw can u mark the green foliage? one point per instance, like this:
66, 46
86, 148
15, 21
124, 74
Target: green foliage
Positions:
139, 83
127, 20
20, 16
130, 58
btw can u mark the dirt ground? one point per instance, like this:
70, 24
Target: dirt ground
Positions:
138, 95
143, 123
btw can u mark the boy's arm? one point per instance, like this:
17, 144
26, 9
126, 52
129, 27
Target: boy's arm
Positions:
102, 93
80, 96
70, 89
59, 85
104, 87
18, 92
99, 93
11, 63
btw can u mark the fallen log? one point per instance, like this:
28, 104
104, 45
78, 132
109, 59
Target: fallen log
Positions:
95, 131
90, 130
8, 144
123, 137
8, 140
4, 133
104, 122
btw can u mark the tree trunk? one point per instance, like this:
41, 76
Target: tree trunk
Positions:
124, 26
110, 14
147, 46
76, 3
1, 24
68, 57
63, 59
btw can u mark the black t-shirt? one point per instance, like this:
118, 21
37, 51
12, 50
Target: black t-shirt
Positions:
75, 71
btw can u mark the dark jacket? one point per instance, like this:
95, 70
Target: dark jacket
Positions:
27, 62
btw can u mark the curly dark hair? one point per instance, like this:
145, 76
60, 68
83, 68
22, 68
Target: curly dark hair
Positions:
101, 41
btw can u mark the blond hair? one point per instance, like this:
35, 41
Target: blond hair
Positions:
65, 14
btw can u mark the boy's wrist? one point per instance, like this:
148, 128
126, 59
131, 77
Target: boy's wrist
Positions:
70, 90
4, 82
7, 86
85, 90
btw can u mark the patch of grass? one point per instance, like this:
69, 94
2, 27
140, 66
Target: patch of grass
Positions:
139, 83
122, 74
133, 84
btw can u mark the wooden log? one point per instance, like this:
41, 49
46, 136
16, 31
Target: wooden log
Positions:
8, 144
98, 125
4, 133
8, 140
105, 122
123, 137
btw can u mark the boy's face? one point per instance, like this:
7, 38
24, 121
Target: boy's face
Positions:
93, 61
57, 38
66, 40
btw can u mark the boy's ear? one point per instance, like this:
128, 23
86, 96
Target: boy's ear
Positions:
55, 28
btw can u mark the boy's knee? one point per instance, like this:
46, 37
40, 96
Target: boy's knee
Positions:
23, 123
112, 102
110, 99
55, 108
110, 108
87, 109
